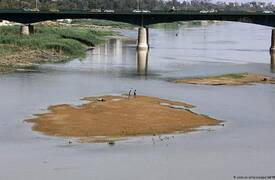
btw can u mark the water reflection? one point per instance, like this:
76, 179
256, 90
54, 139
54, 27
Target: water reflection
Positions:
272, 62
142, 62
112, 48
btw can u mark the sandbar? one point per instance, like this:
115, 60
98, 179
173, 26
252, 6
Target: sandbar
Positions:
230, 79
119, 117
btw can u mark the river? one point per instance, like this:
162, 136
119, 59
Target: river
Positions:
245, 146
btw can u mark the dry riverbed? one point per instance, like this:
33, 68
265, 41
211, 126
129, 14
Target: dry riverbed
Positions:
230, 79
111, 117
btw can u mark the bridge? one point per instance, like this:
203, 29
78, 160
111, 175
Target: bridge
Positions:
29, 17
140, 19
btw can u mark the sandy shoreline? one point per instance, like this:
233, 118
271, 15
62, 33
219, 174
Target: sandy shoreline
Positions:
119, 117
230, 79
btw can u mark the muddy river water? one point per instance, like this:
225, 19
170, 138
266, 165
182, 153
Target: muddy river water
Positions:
245, 146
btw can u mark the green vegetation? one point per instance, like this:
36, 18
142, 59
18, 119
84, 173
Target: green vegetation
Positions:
71, 41
6, 68
47, 44
235, 75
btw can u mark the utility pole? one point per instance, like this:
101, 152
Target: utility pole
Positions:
138, 4
36, 4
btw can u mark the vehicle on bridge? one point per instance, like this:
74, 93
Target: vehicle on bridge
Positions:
108, 10
136, 11
95, 10
35, 10
141, 11
173, 9
27, 9
268, 12
208, 11
54, 10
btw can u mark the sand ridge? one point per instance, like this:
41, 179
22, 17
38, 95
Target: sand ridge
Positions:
119, 116
230, 79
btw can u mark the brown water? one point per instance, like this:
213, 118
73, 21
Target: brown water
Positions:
244, 146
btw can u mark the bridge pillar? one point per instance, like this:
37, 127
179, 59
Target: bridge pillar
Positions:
24, 30
272, 62
272, 48
27, 29
142, 62
143, 37
272, 51
31, 28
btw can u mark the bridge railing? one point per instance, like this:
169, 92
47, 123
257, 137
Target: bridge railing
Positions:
78, 11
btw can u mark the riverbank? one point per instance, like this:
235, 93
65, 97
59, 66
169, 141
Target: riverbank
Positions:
49, 44
111, 117
230, 79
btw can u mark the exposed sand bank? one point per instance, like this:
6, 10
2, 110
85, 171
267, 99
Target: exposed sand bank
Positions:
230, 79
118, 117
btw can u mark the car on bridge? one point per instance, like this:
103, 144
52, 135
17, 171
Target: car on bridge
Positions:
108, 10
146, 11
268, 12
204, 11
136, 11
35, 10
31, 10
141, 11
95, 10
54, 10
208, 11
172, 9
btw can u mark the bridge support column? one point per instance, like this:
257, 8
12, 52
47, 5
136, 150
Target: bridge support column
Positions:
272, 48
24, 30
31, 28
142, 62
27, 29
272, 62
143, 37
272, 51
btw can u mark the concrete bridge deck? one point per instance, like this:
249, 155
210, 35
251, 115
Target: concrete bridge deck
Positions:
28, 17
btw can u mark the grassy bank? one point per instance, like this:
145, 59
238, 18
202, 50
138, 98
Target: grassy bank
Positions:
48, 44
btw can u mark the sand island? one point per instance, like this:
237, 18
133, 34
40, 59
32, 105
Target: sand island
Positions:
119, 116
230, 79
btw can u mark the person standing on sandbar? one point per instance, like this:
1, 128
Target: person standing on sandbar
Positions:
135, 93
129, 94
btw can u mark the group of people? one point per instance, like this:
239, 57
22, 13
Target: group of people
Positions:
130, 92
